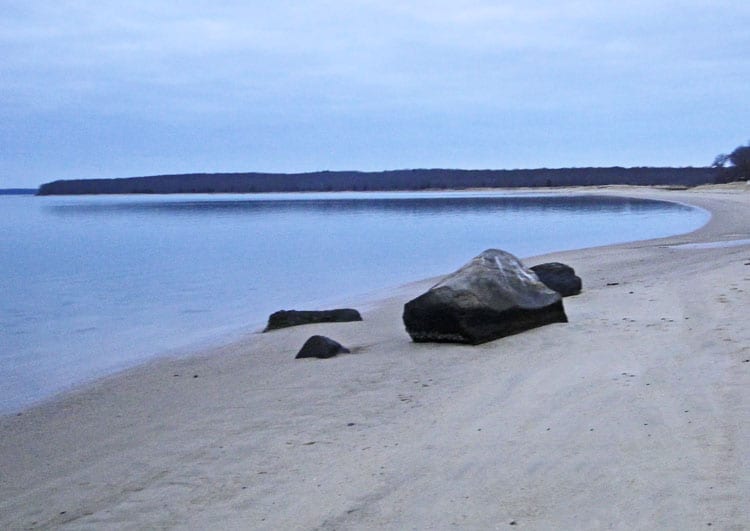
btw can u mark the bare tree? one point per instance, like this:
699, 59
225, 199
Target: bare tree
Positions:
738, 168
720, 161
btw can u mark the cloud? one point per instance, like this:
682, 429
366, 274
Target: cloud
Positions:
324, 46
335, 69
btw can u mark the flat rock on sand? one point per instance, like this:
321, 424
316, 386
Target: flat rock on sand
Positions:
287, 318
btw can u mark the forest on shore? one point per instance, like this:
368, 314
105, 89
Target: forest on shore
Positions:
393, 180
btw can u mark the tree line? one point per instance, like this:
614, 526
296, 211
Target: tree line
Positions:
395, 180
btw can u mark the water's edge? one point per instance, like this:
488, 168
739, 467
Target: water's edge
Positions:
361, 300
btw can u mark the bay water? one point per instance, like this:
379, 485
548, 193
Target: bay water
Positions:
90, 285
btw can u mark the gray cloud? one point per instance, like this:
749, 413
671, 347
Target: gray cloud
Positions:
106, 89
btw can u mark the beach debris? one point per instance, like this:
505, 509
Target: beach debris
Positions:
287, 318
492, 296
321, 347
559, 277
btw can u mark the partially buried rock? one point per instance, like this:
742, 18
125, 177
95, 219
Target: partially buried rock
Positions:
559, 277
286, 318
492, 296
321, 347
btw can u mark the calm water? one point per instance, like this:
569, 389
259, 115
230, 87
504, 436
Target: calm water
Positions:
91, 285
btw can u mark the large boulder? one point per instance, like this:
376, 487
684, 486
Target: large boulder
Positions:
286, 318
321, 347
492, 296
559, 277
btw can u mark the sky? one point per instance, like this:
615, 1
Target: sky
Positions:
117, 89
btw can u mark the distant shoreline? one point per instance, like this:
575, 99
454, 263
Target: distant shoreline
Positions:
393, 180
18, 191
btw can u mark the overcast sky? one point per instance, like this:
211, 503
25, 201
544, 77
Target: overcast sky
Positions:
123, 88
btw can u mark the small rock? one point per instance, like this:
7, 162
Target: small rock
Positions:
321, 347
559, 277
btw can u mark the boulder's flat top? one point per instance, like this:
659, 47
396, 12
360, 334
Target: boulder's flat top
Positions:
497, 276
636, 414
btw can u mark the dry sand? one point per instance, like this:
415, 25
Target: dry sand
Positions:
634, 415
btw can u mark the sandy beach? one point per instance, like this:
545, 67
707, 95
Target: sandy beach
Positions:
634, 415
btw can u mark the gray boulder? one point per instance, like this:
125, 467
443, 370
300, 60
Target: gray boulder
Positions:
559, 277
286, 318
492, 296
321, 347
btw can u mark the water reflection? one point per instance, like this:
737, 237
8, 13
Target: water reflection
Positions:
415, 205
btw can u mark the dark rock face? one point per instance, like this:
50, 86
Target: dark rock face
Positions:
559, 277
321, 347
286, 318
492, 296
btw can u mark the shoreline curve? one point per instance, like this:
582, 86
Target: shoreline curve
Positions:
633, 414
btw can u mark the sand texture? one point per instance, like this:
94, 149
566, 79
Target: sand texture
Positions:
634, 415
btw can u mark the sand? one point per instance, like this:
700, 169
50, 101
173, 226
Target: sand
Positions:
634, 415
